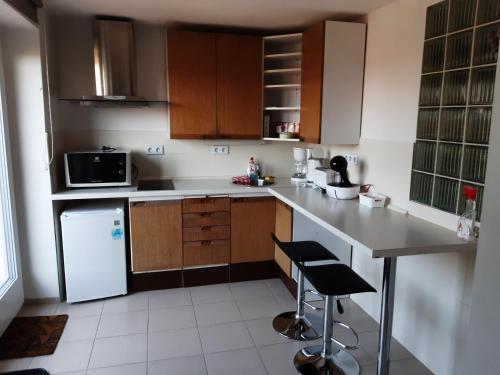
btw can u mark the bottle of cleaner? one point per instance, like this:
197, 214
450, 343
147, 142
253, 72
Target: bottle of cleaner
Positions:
466, 222
252, 171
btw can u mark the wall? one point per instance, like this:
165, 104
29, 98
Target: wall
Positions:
23, 83
432, 303
484, 330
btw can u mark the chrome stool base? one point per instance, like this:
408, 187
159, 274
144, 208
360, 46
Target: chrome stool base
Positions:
309, 361
300, 329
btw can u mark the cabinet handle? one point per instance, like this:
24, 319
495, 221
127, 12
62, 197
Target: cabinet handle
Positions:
207, 243
206, 228
206, 214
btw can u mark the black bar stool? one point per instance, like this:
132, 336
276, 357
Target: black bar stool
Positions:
294, 324
331, 280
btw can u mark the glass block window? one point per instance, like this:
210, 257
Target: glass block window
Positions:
455, 104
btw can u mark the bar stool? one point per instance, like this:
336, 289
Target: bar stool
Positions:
294, 324
331, 280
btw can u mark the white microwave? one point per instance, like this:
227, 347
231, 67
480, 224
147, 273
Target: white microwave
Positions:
97, 168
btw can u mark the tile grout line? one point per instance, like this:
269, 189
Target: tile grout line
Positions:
198, 330
95, 337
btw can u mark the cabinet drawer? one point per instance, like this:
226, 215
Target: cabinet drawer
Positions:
203, 219
201, 253
207, 233
190, 205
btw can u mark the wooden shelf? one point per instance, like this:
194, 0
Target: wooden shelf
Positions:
284, 86
283, 37
289, 55
281, 139
282, 71
282, 108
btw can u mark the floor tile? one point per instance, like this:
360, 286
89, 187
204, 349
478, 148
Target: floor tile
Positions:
214, 313
194, 365
15, 364
240, 362
404, 367
257, 308
161, 299
38, 310
133, 369
175, 343
211, 294
220, 337
171, 318
83, 328
250, 289
278, 359
83, 372
277, 287
69, 356
120, 350
131, 302
81, 309
120, 324
369, 342
263, 333
287, 302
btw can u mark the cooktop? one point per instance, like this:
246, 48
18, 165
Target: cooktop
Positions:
155, 185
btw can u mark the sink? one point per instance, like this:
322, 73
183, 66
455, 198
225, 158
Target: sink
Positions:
155, 185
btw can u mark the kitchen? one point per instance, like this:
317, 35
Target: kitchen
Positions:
434, 310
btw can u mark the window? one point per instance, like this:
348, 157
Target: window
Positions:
456, 98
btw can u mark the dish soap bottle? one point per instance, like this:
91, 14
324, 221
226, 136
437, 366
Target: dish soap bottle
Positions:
466, 222
252, 171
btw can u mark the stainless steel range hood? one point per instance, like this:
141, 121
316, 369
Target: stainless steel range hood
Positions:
114, 64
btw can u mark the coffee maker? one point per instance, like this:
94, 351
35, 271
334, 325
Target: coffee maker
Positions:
300, 156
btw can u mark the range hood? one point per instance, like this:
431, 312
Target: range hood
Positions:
114, 65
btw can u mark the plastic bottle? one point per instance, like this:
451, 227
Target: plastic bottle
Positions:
466, 222
252, 171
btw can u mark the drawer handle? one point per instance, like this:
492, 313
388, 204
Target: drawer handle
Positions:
206, 214
207, 243
206, 228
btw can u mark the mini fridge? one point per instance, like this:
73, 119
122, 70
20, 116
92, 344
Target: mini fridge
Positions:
93, 236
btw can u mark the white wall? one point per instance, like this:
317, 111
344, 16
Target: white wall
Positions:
432, 303
22, 69
484, 330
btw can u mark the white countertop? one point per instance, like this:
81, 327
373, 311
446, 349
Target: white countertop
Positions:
381, 232
182, 188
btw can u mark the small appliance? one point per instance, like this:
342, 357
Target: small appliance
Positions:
300, 157
312, 164
343, 189
97, 168
322, 177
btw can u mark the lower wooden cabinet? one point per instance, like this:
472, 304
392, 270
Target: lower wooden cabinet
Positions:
203, 253
284, 232
156, 235
252, 221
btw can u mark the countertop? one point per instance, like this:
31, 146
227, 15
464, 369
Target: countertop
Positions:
380, 232
182, 188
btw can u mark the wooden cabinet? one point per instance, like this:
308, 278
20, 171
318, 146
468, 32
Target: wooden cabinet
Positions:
215, 85
156, 231
206, 231
192, 85
332, 82
239, 86
284, 232
252, 221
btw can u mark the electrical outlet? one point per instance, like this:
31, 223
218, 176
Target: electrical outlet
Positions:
219, 150
352, 159
154, 150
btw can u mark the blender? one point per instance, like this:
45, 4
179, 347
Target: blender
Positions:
300, 157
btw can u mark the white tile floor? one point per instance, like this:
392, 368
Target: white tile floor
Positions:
220, 329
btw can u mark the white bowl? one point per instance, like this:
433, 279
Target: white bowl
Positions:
338, 192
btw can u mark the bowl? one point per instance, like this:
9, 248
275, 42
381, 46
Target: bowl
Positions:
288, 135
338, 192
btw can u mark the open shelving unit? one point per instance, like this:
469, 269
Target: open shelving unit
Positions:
282, 56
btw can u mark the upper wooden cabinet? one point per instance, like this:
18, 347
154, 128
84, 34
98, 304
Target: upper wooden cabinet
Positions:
252, 221
192, 85
333, 56
215, 85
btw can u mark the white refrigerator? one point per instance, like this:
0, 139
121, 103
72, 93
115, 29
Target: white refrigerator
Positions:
93, 236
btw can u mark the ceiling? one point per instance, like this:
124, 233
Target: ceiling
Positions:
10, 18
255, 14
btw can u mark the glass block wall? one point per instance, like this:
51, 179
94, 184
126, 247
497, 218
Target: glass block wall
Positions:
455, 105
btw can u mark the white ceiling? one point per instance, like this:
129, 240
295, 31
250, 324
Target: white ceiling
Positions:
10, 18
258, 14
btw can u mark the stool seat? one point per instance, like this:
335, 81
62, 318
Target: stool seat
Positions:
304, 251
335, 279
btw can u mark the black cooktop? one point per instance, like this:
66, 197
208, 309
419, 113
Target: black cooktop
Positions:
155, 185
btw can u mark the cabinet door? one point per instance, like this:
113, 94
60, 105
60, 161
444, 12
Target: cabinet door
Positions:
312, 83
284, 230
156, 231
239, 86
252, 221
192, 84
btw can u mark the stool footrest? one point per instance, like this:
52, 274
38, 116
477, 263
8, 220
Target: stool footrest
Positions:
313, 307
341, 344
